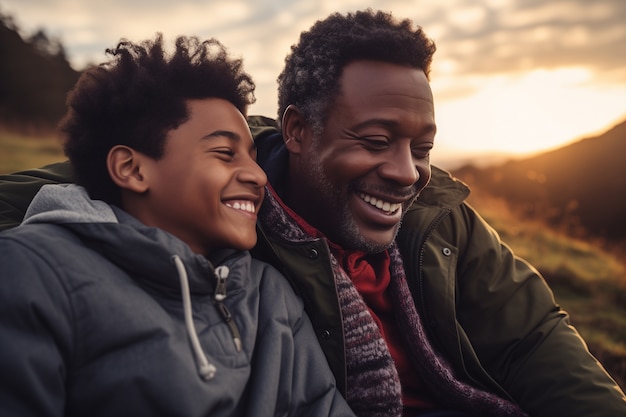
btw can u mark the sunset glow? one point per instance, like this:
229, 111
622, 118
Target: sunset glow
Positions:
531, 112
509, 76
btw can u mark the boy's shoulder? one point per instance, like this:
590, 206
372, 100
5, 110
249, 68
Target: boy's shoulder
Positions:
41, 238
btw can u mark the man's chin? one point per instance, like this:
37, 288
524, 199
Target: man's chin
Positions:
376, 246
371, 242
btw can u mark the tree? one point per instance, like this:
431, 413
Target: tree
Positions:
35, 77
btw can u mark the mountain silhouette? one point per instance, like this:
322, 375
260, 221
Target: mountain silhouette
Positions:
580, 187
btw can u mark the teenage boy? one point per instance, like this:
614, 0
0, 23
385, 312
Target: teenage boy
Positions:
132, 293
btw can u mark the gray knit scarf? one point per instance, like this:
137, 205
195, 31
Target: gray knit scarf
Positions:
373, 385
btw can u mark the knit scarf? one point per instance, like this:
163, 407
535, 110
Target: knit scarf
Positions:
373, 385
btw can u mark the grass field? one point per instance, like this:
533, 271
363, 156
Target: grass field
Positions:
588, 282
19, 152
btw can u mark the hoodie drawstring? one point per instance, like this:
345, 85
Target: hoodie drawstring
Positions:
206, 369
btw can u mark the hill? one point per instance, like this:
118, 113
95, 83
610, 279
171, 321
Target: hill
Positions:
35, 77
580, 188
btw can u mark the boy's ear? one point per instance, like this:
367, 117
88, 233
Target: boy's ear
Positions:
294, 129
126, 169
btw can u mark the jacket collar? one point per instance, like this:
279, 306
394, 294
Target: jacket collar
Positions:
443, 190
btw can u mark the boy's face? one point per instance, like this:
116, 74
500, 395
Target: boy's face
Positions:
207, 187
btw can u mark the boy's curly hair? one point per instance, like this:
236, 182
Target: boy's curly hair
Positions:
310, 79
138, 96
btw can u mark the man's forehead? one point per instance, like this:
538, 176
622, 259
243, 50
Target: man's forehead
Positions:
364, 78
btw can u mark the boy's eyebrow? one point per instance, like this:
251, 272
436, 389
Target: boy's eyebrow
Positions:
225, 133
235, 137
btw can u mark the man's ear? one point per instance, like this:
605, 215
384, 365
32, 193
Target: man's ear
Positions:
294, 129
126, 169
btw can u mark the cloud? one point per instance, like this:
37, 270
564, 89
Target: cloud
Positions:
476, 39
534, 33
515, 33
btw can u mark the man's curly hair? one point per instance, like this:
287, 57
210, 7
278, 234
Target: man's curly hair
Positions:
138, 96
310, 79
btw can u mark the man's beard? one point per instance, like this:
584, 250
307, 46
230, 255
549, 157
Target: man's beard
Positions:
347, 235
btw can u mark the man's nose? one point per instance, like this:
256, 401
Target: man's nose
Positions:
400, 167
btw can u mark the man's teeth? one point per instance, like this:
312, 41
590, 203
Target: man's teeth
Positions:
380, 204
244, 206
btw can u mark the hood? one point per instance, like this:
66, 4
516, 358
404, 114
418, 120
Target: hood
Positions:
144, 252
67, 203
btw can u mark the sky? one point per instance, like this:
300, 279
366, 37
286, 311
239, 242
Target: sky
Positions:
509, 76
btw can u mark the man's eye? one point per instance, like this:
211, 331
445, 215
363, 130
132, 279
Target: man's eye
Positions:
376, 142
421, 153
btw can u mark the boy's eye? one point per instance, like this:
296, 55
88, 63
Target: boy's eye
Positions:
225, 153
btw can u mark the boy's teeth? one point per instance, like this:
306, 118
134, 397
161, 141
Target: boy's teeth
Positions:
380, 204
244, 206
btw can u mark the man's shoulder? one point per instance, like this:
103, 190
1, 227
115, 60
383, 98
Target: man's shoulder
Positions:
261, 121
261, 126
18, 189
58, 172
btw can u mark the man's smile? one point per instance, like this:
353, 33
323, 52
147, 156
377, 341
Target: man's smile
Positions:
386, 206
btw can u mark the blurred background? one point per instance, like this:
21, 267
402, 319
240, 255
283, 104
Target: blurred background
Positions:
530, 100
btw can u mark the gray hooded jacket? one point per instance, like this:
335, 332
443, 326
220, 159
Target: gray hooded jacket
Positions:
101, 315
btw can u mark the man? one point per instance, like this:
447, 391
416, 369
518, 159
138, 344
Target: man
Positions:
134, 293
419, 307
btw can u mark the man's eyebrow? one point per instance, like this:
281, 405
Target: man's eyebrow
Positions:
388, 123
375, 122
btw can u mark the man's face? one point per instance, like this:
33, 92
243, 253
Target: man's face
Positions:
359, 177
207, 187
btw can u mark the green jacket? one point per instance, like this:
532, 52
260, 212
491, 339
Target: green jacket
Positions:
488, 312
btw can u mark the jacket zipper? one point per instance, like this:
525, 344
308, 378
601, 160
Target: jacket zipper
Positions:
221, 276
